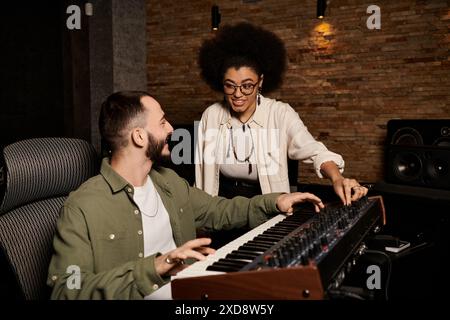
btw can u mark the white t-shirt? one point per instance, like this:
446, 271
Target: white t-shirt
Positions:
156, 226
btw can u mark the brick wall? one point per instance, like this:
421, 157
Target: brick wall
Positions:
344, 80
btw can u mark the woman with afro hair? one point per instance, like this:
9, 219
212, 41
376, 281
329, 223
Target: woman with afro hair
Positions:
245, 140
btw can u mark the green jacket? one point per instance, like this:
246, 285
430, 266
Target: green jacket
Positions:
100, 234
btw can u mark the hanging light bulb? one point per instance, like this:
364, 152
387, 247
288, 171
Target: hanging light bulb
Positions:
215, 17
321, 7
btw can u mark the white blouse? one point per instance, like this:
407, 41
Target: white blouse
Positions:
278, 134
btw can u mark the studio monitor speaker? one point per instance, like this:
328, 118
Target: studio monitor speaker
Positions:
418, 153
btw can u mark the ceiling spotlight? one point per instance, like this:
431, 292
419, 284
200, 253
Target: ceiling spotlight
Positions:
321, 7
215, 17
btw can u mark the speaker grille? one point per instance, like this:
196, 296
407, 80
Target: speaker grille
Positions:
407, 166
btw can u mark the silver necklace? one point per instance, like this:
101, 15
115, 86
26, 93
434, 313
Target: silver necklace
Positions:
246, 158
157, 205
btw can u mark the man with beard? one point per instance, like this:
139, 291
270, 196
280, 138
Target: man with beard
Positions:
124, 232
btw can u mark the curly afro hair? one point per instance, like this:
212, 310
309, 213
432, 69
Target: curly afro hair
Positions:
243, 45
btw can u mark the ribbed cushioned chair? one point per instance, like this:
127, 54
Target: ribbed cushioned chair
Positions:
40, 173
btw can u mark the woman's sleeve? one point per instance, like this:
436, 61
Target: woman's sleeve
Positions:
198, 157
301, 145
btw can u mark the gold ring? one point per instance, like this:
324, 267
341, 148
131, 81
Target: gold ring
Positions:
172, 261
169, 261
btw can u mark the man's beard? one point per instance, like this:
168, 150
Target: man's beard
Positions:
155, 148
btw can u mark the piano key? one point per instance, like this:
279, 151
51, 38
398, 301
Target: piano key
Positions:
231, 261
239, 255
275, 232
267, 238
273, 237
247, 252
220, 268
232, 265
260, 243
238, 264
252, 248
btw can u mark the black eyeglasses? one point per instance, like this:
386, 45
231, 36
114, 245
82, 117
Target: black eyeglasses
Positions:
246, 88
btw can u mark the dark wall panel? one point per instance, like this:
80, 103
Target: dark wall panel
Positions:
31, 77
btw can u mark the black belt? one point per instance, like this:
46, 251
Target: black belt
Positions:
230, 188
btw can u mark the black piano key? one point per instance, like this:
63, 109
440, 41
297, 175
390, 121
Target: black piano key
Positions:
273, 236
230, 266
289, 223
276, 232
261, 240
240, 256
221, 268
231, 262
300, 219
247, 252
251, 248
282, 230
233, 265
259, 244
266, 238
285, 226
